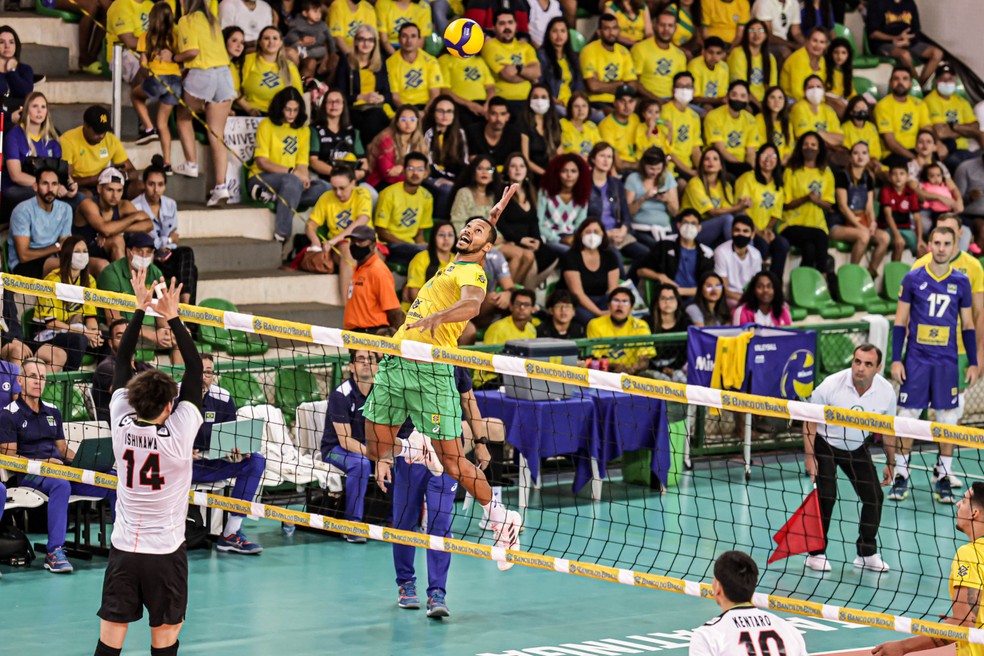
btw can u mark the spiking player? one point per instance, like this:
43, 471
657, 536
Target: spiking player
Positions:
932, 300
426, 390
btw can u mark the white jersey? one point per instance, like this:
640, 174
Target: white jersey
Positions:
154, 468
747, 631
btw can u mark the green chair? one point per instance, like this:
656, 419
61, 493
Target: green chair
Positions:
798, 313
233, 342
577, 40
244, 388
291, 388
841, 246
861, 60
67, 16
863, 85
858, 289
809, 291
434, 45
836, 352
916, 91
68, 399
894, 272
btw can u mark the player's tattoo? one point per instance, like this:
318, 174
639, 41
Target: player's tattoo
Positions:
974, 601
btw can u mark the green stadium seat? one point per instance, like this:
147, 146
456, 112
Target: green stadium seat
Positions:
858, 289
916, 91
808, 290
861, 60
893, 274
863, 85
798, 313
233, 342
836, 351
67, 16
841, 246
291, 388
244, 388
577, 40
434, 45
68, 398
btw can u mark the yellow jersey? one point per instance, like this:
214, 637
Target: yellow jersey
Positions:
686, 128
621, 136
403, 214
656, 67
685, 29
344, 23
645, 138
195, 33
417, 271
737, 133
467, 77
837, 85
282, 145
777, 139
564, 93
88, 160
950, 110
632, 28
414, 80
53, 309
438, 294
722, 17
799, 183
626, 356
505, 329
498, 55
767, 199
390, 17
606, 66
155, 65
967, 572
971, 267
697, 197
803, 120
866, 133
331, 215
126, 17
795, 70
708, 83
757, 84
902, 119
577, 141
262, 81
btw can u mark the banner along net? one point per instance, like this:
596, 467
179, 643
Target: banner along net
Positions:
634, 479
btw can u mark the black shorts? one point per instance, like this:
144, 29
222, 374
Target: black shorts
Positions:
136, 580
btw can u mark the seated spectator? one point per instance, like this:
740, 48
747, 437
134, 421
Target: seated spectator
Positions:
634, 21
926, 152
657, 61
427, 263
724, 19
252, 16
560, 323
244, 469
469, 83
753, 63
370, 303
37, 226
173, 260
808, 185
732, 131
710, 74
900, 117
562, 204
486, 12
539, 131
513, 63
840, 79
405, 210
335, 134
953, 118
518, 227
107, 219
782, 19
670, 360
619, 129
812, 114
763, 188
280, 170
853, 218
938, 195
266, 73
497, 137
117, 277
712, 195
346, 18
92, 32
33, 429
577, 134
92, 147
651, 193
589, 270
16, 77
607, 64
367, 105
687, 142
817, 15
475, 191
390, 146
414, 76
13, 349
102, 377
609, 203
709, 307
71, 327
735, 261
392, 15
679, 262
762, 303
545, 14
519, 323
969, 179
652, 131
808, 60
163, 84
309, 42
894, 30
858, 126
559, 64
447, 150
619, 322
689, 19
774, 125
899, 214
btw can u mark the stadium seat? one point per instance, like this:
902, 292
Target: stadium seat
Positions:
577, 40
841, 246
808, 290
863, 85
291, 388
67, 16
861, 60
434, 45
893, 274
244, 388
858, 289
71, 404
798, 313
836, 351
233, 342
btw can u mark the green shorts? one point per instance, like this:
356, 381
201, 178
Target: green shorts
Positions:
423, 391
962, 364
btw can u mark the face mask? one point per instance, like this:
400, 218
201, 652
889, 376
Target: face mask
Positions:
141, 262
359, 252
741, 241
540, 105
683, 95
80, 260
737, 105
947, 88
591, 240
860, 116
810, 153
689, 231
815, 95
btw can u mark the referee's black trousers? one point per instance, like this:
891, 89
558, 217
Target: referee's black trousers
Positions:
863, 476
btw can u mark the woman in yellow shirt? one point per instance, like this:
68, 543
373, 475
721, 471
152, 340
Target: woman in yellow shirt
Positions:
633, 20
859, 126
266, 72
426, 264
577, 133
235, 41
808, 184
764, 189
711, 194
840, 74
812, 114
748, 63
773, 123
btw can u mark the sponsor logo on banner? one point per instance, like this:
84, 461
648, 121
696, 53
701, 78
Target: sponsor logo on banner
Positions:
532, 560
28, 286
203, 316
467, 549
240, 137
759, 405
866, 421
880, 620
788, 605
938, 630
407, 538
469, 359
370, 343
594, 571
655, 388
280, 328
103, 299
657, 582
557, 373
961, 434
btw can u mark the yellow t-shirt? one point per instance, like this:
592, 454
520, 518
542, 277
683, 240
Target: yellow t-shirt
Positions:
404, 214
697, 197
778, 139
686, 131
390, 16
606, 66
966, 572
332, 215
757, 84
627, 356
53, 309
799, 183
126, 17
621, 136
708, 83
344, 23
795, 71
413, 81
948, 110
632, 28
736, 133
868, 134
262, 81
837, 86
564, 93
903, 119
282, 145
87, 160
722, 17
505, 329
467, 77
971, 267
656, 67
685, 25
155, 65
578, 141
803, 120
438, 294
767, 199
195, 33
417, 271
645, 139
498, 55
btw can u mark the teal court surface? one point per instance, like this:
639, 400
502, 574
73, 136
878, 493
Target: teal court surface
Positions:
316, 594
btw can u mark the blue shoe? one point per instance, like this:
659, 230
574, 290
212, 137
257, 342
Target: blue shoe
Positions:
238, 544
408, 596
900, 488
56, 562
942, 490
354, 539
436, 607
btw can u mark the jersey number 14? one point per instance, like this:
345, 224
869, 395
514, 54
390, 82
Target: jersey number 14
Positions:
938, 303
150, 472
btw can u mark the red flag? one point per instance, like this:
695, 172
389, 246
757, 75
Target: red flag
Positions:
803, 532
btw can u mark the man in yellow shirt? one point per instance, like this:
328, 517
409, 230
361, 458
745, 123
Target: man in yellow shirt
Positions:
513, 63
710, 74
518, 325
619, 129
91, 148
404, 210
333, 219
687, 142
470, 84
657, 60
414, 76
900, 117
620, 323
732, 130
953, 118
345, 17
725, 19
607, 64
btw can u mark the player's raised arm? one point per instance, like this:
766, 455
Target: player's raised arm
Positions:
191, 383
128, 343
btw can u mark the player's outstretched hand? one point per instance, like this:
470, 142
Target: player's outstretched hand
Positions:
167, 304
500, 207
898, 372
138, 280
384, 475
893, 648
973, 374
888, 474
428, 323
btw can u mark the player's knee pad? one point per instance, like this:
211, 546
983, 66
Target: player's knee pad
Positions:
951, 416
165, 651
909, 413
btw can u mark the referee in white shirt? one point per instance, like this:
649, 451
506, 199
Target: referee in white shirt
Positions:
828, 447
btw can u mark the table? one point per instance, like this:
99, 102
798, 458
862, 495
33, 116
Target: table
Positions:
630, 422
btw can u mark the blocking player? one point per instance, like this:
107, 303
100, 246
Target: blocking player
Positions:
426, 391
933, 301
153, 438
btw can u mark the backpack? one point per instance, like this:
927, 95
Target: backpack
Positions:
15, 548
196, 532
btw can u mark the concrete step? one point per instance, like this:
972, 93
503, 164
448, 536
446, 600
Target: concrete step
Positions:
42, 30
46, 60
80, 88
265, 287
214, 254
195, 221
316, 314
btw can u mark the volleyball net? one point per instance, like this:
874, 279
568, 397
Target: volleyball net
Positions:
620, 478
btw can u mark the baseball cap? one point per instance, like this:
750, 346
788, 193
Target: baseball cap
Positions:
97, 118
139, 240
363, 233
945, 68
625, 90
110, 175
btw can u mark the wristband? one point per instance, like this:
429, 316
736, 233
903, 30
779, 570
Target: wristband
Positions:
898, 341
970, 345
79, 327
480, 440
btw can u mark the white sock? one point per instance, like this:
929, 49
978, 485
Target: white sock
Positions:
495, 511
233, 524
945, 464
901, 466
402, 449
497, 493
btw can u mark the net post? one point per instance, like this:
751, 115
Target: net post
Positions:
117, 88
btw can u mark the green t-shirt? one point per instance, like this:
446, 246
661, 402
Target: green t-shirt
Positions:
116, 278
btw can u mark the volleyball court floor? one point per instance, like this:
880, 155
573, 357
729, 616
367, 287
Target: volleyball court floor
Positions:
316, 594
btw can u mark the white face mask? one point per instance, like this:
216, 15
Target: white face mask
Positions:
591, 240
683, 95
141, 262
80, 260
815, 95
689, 231
947, 88
540, 105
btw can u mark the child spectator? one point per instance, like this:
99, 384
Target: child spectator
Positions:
710, 74
898, 202
309, 43
157, 47
266, 72
387, 150
932, 183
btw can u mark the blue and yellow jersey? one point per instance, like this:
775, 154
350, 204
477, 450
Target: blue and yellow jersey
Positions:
967, 571
438, 294
934, 312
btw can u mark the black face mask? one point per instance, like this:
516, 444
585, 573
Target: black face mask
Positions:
359, 252
860, 116
741, 241
737, 105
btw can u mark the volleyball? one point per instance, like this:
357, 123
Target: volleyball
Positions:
464, 38
797, 375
